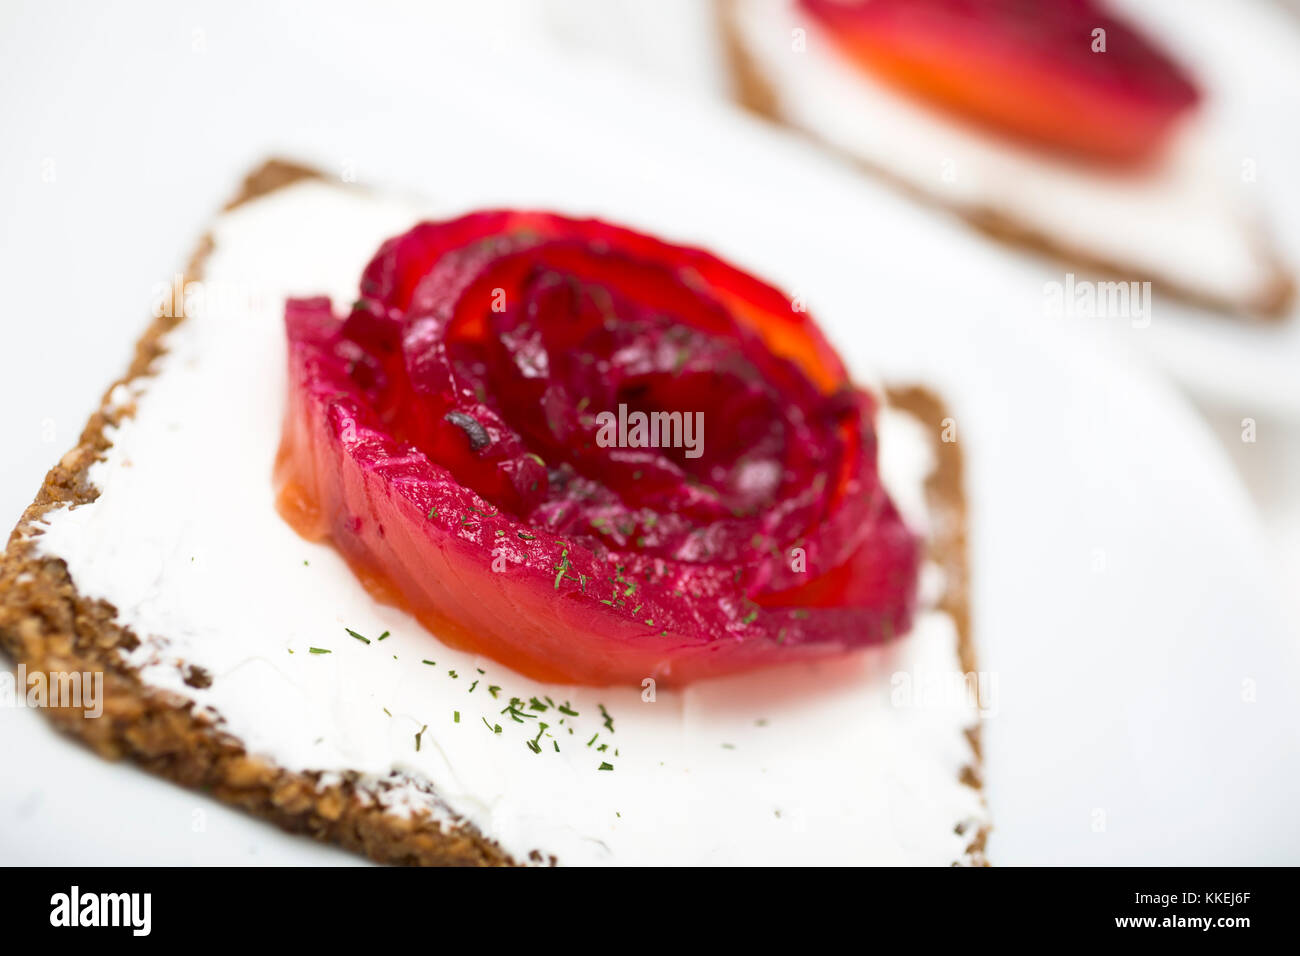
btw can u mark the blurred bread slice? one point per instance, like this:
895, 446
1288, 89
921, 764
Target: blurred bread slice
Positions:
1184, 225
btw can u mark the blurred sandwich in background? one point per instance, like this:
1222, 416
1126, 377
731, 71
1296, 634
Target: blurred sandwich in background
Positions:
1055, 125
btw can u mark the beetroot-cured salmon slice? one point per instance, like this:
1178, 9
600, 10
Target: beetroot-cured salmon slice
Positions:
591, 455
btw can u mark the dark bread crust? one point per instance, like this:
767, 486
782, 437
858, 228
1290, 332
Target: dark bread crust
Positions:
46, 624
1273, 302
947, 547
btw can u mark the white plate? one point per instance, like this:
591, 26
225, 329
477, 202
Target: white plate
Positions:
1121, 602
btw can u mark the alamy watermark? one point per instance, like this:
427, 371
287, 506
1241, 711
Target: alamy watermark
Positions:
942, 690
1099, 300
133, 911
76, 690
180, 297
626, 429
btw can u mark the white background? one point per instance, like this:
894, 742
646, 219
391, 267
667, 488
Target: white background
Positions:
125, 129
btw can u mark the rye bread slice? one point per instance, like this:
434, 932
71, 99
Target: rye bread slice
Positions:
752, 90
48, 625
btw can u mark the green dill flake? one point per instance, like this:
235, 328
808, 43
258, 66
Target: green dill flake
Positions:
749, 618
567, 710
728, 746
430, 663
363, 640
493, 689
609, 721
516, 711
388, 712
536, 704
433, 512
605, 766
455, 716
535, 745
593, 739
382, 637
453, 675
525, 536
419, 735
471, 687
319, 650
495, 728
